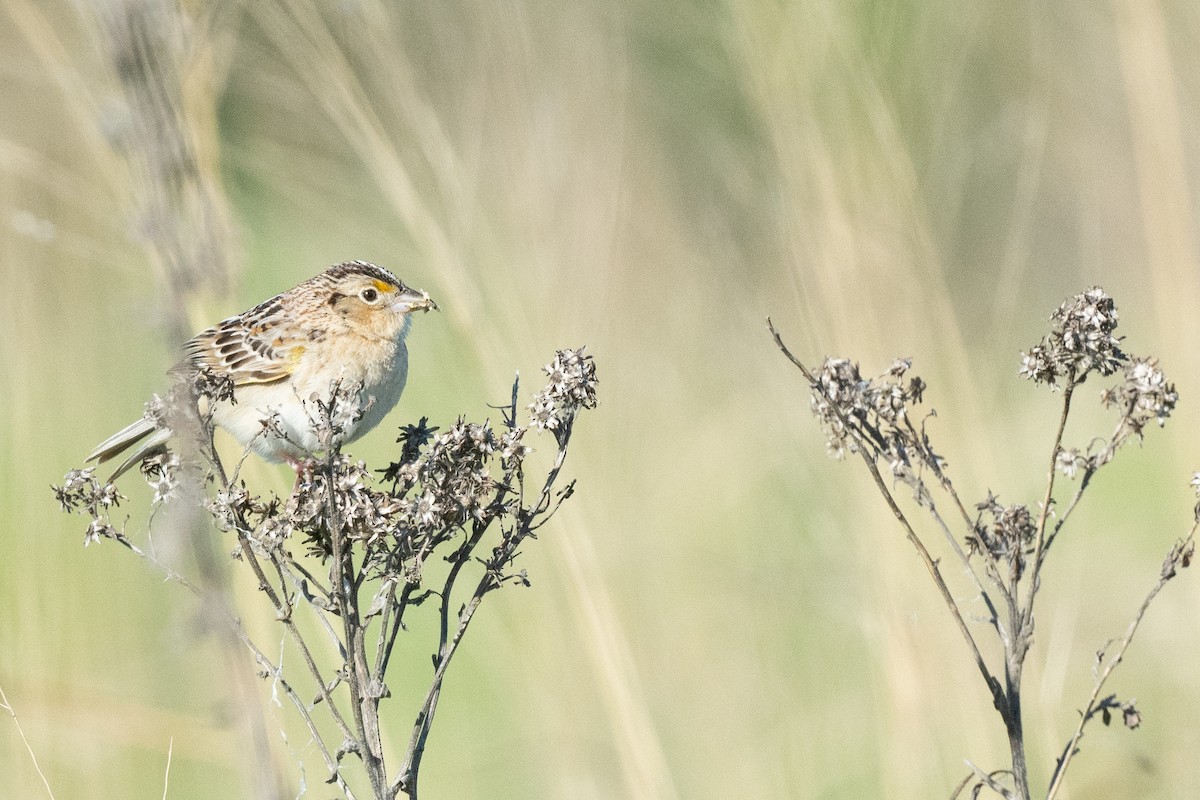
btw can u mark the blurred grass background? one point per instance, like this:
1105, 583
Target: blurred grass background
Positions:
721, 611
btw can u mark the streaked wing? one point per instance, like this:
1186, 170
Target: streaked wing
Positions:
251, 348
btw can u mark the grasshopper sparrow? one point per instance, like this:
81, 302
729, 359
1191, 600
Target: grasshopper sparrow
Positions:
345, 327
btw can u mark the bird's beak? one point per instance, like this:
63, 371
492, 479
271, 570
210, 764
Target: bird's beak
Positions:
411, 300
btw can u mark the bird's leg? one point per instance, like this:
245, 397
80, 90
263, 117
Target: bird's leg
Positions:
303, 468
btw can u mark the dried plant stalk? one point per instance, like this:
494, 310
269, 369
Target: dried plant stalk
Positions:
1002, 549
353, 551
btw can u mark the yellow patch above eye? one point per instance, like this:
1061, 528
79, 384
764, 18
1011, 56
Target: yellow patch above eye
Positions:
383, 286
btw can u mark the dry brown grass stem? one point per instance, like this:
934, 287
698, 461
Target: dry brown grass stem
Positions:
8, 709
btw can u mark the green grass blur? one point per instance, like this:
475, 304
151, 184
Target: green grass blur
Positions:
720, 611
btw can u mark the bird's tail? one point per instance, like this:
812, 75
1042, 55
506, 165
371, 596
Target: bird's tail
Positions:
149, 438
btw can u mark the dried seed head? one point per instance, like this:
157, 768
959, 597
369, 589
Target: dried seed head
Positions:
1145, 395
571, 386
1080, 341
1007, 536
853, 409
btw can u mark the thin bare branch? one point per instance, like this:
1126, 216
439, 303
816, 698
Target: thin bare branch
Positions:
1179, 556
1047, 499
7, 708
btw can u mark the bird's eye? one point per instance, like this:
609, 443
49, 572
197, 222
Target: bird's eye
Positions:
369, 295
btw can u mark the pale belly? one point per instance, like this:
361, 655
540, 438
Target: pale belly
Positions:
293, 408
